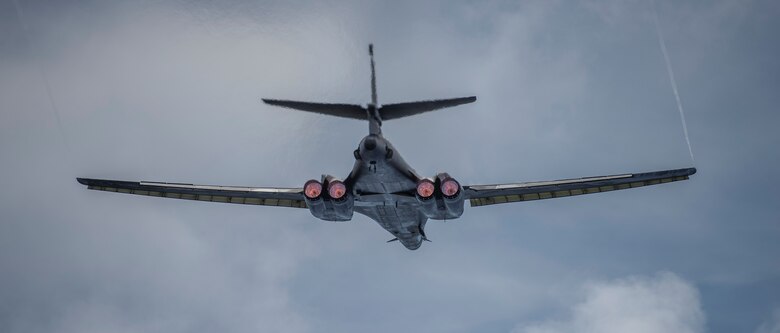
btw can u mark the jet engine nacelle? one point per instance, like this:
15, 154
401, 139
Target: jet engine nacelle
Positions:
440, 198
329, 200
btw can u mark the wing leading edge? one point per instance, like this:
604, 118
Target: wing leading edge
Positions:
265, 196
482, 195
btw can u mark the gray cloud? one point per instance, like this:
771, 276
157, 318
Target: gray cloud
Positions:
170, 92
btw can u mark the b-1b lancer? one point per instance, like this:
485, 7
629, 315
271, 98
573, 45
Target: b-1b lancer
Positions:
381, 185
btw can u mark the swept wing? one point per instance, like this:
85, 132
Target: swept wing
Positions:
266, 196
483, 195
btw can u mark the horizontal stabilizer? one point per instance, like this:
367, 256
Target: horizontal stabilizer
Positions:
333, 109
400, 110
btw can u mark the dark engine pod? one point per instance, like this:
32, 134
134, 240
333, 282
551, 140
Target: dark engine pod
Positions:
440, 198
334, 204
452, 195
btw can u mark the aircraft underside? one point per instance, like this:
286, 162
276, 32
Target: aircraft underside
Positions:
381, 185
404, 222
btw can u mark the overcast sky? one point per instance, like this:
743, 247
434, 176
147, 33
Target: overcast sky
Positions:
169, 91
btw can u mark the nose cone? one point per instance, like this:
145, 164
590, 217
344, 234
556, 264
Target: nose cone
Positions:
412, 243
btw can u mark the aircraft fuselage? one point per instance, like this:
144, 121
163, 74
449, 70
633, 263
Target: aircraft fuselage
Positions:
384, 188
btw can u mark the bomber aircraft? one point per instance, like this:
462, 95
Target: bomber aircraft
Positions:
381, 185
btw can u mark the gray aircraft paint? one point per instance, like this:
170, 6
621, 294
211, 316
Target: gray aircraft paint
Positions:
382, 185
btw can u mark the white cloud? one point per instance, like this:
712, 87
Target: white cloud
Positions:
660, 303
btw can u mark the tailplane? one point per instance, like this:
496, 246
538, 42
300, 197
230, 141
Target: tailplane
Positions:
400, 110
386, 112
332, 109
373, 112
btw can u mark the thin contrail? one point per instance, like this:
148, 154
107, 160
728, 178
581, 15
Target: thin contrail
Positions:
662, 42
45, 79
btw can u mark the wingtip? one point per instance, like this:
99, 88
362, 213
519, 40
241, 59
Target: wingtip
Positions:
82, 181
272, 101
371, 49
692, 171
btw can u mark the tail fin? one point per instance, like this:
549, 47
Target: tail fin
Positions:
373, 75
334, 109
400, 110
372, 112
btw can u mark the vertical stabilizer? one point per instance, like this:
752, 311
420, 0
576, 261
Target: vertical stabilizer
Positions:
373, 75
372, 112
374, 120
